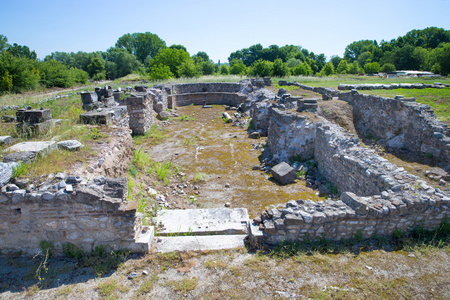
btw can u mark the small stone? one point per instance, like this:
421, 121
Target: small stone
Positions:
60, 176
227, 185
69, 188
61, 185
100, 180
228, 204
145, 272
11, 188
256, 167
254, 135
132, 275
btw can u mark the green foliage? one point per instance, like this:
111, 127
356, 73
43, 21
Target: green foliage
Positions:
224, 70
18, 73
372, 68
185, 285
120, 63
387, 68
199, 177
293, 62
300, 69
160, 72
328, 69
188, 69
96, 68
173, 58
280, 68
261, 68
19, 170
141, 45
72, 251
342, 67
237, 67
354, 68
56, 74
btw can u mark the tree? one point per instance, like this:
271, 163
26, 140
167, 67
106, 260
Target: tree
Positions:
200, 57
335, 60
224, 70
141, 45
342, 67
3, 43
188, 69
354, 68
261, 68
237, 67
207, 67
328, 69
280, 69
293, 62
300, 70
21, 51
372, 68
355, 49
387, 68
178, 47
160, 72
18, 73
439, 59
120, 63
96, 68
173, 58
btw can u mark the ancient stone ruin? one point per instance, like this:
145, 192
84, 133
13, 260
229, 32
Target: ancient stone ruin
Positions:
377, 197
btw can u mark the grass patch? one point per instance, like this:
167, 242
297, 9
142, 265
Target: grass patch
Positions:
185, 285
110, 288
216, 263
162, 170
153, 136
199, 177
148, 284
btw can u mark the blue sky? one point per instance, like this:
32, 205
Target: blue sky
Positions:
215, 26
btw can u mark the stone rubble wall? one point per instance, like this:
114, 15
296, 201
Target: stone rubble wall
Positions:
290, 134
377, 197
405, 123
95, 213
376, 86
230, 99
140, 111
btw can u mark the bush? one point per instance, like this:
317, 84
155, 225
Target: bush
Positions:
387, 68
280, 68
224, 70
328, 69
160, 72
237, 67
372, 68
261, 68
189, 69
300, 70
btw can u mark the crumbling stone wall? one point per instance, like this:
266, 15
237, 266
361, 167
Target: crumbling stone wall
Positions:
140, 111
290, 134
94, 213
377, 196
400, 123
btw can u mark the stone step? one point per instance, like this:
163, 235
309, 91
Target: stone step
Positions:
195, 243
215, 221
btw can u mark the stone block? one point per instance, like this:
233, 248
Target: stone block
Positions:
6, 171
33, 115
96, 118
37, 147
24, 157
33, 129
284, 173
71, 145
6, 139
89, 97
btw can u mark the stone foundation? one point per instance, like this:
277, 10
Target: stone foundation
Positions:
94, 213
405, 124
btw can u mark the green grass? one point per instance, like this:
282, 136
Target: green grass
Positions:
163, 170
185, 285
153, 136
437, 99
110, 288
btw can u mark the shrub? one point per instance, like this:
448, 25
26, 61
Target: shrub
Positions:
262, 68
387, 68
328, 69
224, 70
280, 68
160, 72
371, 68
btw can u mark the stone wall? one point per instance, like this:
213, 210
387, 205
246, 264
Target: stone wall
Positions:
230, 99
290, 134
140, 111
405, 123
377, 196
94, 213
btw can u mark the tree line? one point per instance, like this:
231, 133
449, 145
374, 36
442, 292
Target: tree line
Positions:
147, 54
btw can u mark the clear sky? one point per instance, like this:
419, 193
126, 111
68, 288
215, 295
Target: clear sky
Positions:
215, 26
